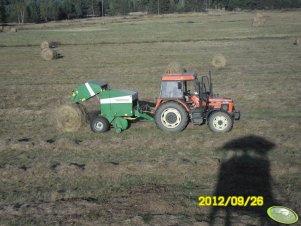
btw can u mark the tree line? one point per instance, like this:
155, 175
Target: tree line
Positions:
38, 11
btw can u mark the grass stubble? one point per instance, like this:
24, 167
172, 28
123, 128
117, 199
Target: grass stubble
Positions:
142, 175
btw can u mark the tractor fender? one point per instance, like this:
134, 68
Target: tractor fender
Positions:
161, 101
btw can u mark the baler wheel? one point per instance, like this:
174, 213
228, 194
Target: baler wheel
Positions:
99, 125
171, 116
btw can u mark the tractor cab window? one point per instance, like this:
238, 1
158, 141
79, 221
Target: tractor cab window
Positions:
191, 88
171, 89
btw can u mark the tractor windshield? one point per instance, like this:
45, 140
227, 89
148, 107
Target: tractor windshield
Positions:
171, 89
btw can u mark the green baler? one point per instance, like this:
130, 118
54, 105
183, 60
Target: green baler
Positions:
116, 106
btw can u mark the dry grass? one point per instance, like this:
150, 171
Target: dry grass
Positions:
142, 174
174, 67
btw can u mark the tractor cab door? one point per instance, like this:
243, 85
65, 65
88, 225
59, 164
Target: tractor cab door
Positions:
172, 90
191, 93
205, 88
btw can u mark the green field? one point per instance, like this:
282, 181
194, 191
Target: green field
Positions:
145, 176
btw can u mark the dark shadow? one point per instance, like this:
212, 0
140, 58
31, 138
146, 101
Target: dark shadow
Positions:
59, 56
246, 173
145, 104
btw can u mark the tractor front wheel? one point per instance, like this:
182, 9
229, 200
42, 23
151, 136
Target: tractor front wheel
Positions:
171, 116
99, 125
220, 122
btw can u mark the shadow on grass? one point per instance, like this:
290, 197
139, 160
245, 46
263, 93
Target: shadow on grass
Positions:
246, 174
146, 104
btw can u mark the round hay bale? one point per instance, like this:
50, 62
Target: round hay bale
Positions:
258, 20
297, 41
69, 118
174, 67
218, 61
45, 45
13, 29
5, 28
49, 54
52, 44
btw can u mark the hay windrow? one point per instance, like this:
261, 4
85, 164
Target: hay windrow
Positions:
218, 61
69, 118
49, 54
175, 67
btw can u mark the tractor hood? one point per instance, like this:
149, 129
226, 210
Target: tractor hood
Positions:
220, 100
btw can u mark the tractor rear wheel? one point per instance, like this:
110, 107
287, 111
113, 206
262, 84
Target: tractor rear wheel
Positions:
220, 122
99, 125
171, 116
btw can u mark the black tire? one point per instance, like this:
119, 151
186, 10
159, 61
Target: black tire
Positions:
171, 116
220, 122
99, 125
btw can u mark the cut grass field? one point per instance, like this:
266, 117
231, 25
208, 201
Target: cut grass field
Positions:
143, 175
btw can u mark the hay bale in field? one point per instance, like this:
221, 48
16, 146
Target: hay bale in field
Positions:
52, 44
175, 67
13, 29
5, 28
218, 61
70, 118
297, 41
49, 54
45, 45
258, 20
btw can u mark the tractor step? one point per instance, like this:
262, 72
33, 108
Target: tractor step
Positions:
197, 118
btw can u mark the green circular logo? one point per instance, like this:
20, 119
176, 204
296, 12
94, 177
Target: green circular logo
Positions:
282, 215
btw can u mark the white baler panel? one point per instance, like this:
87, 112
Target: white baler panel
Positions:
117, 100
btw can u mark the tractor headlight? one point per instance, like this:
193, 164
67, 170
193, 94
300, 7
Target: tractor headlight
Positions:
225, 107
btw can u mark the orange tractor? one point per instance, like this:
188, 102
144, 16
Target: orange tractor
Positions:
184, 98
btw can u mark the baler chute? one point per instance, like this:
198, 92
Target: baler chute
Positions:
116, 106
88, 90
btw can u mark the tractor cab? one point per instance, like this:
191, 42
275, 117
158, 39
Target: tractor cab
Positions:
177, 85
186, 88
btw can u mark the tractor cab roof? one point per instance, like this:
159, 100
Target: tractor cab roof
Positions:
187, 76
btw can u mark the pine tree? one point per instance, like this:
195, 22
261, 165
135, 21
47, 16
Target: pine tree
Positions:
3, 15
